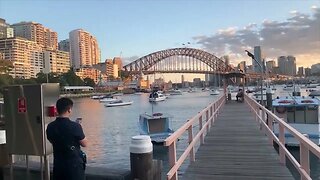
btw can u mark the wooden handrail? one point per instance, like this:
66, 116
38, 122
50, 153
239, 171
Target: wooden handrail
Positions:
306, 145
171, 140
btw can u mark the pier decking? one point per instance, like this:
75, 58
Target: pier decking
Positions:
235, 148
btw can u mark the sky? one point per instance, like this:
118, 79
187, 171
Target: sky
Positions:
135, 28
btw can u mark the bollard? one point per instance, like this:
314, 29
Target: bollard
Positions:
269, 98
141, 157
296, 92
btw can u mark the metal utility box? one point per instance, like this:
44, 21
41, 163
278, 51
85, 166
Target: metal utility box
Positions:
26, 117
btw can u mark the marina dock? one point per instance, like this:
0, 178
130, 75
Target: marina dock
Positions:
235, 148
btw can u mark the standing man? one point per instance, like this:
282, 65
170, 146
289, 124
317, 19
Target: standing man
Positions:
66, 138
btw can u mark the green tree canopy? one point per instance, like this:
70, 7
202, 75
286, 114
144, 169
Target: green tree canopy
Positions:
89, 82
5, 66
72, 79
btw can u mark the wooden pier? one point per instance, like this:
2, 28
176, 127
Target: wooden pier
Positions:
235, 148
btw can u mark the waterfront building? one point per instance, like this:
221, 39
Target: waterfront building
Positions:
301, 71
291, 66
307, 71
242, 66
56, 61
89, 72
84, 50
258, 59
64, 45
26, 56
118, 62
270, 65
315, 69
5, 30
282, 62
36, 32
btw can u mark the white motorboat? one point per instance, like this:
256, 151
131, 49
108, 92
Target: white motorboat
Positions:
289, 87
214, 92
118, 103
156, 96
97, 97
108, 100
155, 125
174, 92
315, 93
302, 113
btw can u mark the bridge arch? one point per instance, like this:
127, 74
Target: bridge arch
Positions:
145, 63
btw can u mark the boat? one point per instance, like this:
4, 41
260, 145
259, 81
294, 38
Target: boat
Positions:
315, 93
214, 92
118, 103
107, 100
156, 96
156, 125
288, 87
174, 92
97, 97
302, 113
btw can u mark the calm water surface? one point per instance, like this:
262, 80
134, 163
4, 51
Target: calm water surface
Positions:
109, 130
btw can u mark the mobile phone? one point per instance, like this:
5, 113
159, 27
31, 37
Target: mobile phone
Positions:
79, 120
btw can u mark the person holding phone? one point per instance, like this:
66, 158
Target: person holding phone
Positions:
66, 137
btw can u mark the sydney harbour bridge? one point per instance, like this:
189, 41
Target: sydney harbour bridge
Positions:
183, 60
178, 60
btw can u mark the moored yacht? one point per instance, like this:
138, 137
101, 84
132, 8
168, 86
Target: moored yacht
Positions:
156, 96
302, 113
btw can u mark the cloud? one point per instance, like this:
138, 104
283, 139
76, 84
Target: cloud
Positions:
298, 35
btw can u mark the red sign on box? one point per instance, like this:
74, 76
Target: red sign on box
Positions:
22, 105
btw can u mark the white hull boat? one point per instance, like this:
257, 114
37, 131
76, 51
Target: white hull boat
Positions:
118, 103
156, 96
214, 92
108, 100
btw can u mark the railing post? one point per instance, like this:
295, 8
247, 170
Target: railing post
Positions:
200, 127
173, 158
282, 141
207, 119
190, 133
304, 159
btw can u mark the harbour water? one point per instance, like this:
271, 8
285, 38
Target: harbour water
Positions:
109, 130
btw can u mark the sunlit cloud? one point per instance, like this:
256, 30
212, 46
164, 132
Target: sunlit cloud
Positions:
298, 35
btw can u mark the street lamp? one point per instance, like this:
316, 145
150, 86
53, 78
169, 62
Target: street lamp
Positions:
261, 68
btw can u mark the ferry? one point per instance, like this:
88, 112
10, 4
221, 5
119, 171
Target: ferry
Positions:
118, 103
302, 113
155, 125
156, 96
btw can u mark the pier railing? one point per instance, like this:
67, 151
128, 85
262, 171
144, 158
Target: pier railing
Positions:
210, 113
267, 119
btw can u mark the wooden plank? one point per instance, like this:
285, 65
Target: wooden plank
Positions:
235, 148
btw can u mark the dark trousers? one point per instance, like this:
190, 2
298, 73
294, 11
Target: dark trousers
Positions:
68, 171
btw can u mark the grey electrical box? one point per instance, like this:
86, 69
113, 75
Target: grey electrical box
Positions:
26, 113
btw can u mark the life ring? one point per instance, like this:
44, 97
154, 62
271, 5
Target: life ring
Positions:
280, 109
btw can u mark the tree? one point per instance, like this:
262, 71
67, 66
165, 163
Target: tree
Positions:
89, 82
5, 66
72, 79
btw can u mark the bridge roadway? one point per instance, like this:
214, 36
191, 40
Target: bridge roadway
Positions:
235, 148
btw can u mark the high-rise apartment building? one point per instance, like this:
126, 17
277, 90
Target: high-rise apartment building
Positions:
242, 66
315, 69
282, 62
291, 66
258, 59
89, 72
300, 71
26, 56
84, 50
64, 45
307, 71
118, 61
56, 61
36, 32
270, 66
5, 30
